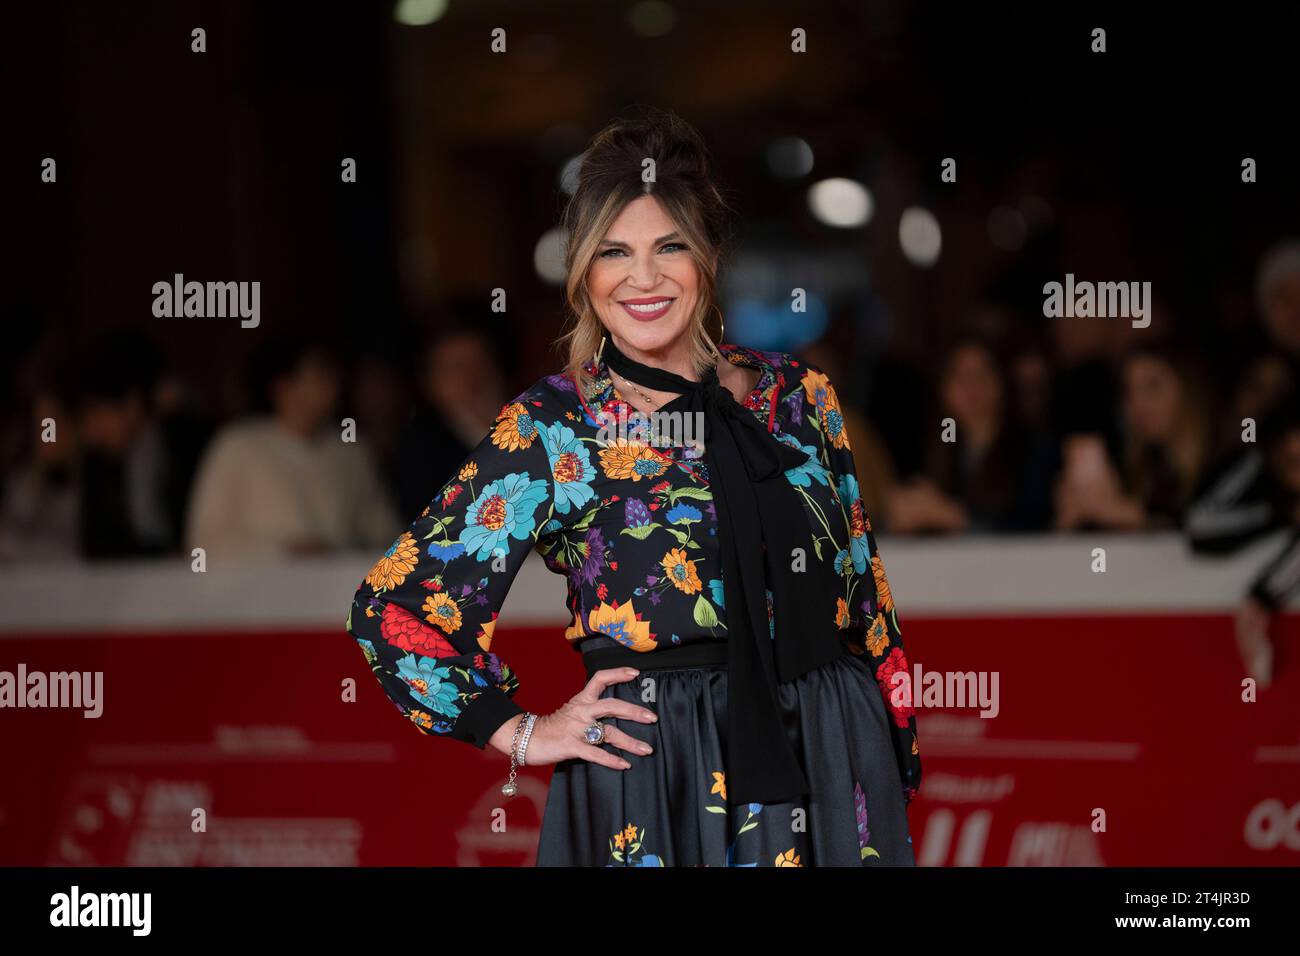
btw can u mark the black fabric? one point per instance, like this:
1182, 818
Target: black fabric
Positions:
676, 808
760, 522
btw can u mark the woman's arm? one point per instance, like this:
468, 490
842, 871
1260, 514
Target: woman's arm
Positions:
424, 614
882, 644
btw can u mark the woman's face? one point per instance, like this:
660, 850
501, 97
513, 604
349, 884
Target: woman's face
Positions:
971, 389
1153, 399
643, 282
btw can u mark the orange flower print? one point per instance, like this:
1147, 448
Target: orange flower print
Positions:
719, 784
624, 459
469, 471
395, 564
515, 428
841, 614
629, 833
622, 623
619, 840
883, 594
788, 858
878, 636
443, 611
681, 571
421, 719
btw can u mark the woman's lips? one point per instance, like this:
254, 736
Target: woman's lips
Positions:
645, 310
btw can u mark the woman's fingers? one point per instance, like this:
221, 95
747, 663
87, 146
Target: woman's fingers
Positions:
605, 678
613, 707
625, 741
594, 754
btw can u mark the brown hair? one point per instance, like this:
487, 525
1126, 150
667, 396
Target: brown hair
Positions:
611, 177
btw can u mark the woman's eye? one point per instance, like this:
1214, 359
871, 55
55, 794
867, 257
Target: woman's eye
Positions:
608, 253
673, 247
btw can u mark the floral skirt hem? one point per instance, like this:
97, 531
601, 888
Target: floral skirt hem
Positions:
670, 808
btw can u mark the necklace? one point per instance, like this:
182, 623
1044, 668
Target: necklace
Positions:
650, 401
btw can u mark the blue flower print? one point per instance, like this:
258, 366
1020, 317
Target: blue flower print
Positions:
504, 510
571, 467
429, 684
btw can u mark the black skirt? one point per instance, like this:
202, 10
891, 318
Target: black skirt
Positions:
670, 808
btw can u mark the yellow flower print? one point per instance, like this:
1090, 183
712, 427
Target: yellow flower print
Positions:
815, 386
485, 634
624, 459
619, 840
395, 564
629, 833
681, 571
469, 471
883, 594
877, 636
841, 614
622, 625
719, 784
442, 611
788, 858
515, 428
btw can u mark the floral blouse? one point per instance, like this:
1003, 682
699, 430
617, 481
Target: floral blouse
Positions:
632, 527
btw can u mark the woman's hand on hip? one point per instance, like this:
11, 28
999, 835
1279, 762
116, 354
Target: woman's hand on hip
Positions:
562, 734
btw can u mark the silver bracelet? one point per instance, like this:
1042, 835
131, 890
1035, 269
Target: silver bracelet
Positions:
517, 748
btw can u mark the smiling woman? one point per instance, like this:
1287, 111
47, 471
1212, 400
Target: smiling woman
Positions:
738, 583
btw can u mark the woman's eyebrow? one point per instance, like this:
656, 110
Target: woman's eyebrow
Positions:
623, 245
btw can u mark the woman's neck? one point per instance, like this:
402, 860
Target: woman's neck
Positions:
675, 358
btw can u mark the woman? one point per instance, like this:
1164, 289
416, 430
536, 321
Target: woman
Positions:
990, 474
737, 628
1166, 445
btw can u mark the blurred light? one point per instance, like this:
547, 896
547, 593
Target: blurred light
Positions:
651, 18
764, 325
840, 202
419, 13
1007, 228
569, 174
920, 236
548, 257
789, 157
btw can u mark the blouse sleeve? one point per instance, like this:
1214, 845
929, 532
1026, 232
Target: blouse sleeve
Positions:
881, 639
424, 614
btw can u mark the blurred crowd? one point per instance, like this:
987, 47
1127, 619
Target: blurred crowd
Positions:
1090, 424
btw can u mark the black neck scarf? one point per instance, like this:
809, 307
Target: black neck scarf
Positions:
760, 523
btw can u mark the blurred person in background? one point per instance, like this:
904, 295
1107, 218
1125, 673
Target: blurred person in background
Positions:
996, 475
461, 388
286, 482
1253, 489
876, 475
39, 518
134, 474
1166, 448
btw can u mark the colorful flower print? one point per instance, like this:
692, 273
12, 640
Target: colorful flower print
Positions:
571, 467
623, 624
504, 510
395, 564
631, 461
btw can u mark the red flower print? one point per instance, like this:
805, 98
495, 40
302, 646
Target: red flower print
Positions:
403, 629
898, 694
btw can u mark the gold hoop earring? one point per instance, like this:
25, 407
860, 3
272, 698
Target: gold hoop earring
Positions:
722, 330
596, 361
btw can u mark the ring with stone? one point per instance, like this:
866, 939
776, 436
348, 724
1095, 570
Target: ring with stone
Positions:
595, 733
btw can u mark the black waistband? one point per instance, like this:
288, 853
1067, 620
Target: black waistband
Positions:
698, 654
600, 653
